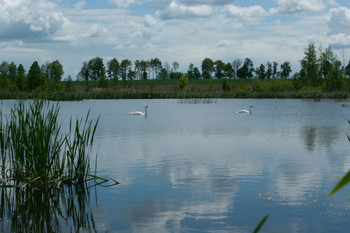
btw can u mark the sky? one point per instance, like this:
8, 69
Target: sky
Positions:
185, 31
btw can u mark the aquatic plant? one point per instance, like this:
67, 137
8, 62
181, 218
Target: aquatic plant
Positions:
343, 181
34, 151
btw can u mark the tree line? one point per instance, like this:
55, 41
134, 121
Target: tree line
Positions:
46, 77
319, 67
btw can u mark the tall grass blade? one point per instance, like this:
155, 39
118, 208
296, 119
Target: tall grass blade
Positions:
257, 229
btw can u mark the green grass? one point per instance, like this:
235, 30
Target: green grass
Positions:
35, 152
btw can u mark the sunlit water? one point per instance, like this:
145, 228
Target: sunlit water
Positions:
193, 166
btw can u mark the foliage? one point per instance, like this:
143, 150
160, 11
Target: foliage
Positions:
344, 180
257, 229
113, 68
207, 68
246, 71
286, 69
225, 85
309, 67
183, 81
34, 151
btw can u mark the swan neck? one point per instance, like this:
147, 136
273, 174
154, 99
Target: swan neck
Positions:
145, 111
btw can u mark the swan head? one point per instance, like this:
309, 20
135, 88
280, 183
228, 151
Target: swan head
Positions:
146, 106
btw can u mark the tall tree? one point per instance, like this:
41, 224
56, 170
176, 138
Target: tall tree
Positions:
275, 69
260, 72
207, 68
124, 67
286, 69
326, 61
229, 73
144, 66
246, 71
97, 69
156, 66
176, 65
269, 70
309, 67
12, 72
4, 74
21, 77
34, 77
113, 68
84, 73
219, 69
55, 71
335, 80
347, 70
190, 71
236, 64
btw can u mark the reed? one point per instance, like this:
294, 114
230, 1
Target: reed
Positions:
35, 152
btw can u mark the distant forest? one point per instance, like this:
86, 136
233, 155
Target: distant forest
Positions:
319, 68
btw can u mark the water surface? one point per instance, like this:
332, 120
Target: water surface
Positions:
200, 167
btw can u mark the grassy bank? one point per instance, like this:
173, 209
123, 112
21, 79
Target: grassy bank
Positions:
169, 89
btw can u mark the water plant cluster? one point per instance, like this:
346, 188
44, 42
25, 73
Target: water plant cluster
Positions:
35, 152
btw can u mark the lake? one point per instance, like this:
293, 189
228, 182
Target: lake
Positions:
198, 166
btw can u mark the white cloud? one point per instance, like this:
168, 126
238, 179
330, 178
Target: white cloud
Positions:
80, 5
179, 11
29, 19
207, 2
338, 22
122, 3
247, 14
299, 6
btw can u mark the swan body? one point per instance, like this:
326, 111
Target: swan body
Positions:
246, 111
138, 113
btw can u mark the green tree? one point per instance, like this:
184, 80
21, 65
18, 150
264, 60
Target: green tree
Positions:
335, 80
286, 69
12, 73
236, 64
275, 69
84, 73
219, 68
21, 77
260, 72
326, 61
69, 83
34, 77
156, 66
207, 68
183, 81
4, 74
96, 69
347, 70
176, 65
196, 73
163, 74
246, 71
113, 68
144, 66
309, 67
269, 70
229, 73
124, 68
55, 71
190, 71
225, 85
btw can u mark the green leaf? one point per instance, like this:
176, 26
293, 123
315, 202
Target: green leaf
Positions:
257, 229
341, 184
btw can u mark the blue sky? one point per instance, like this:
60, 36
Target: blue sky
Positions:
186, 31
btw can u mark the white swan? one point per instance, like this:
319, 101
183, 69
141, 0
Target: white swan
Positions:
137, 113
246, 111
